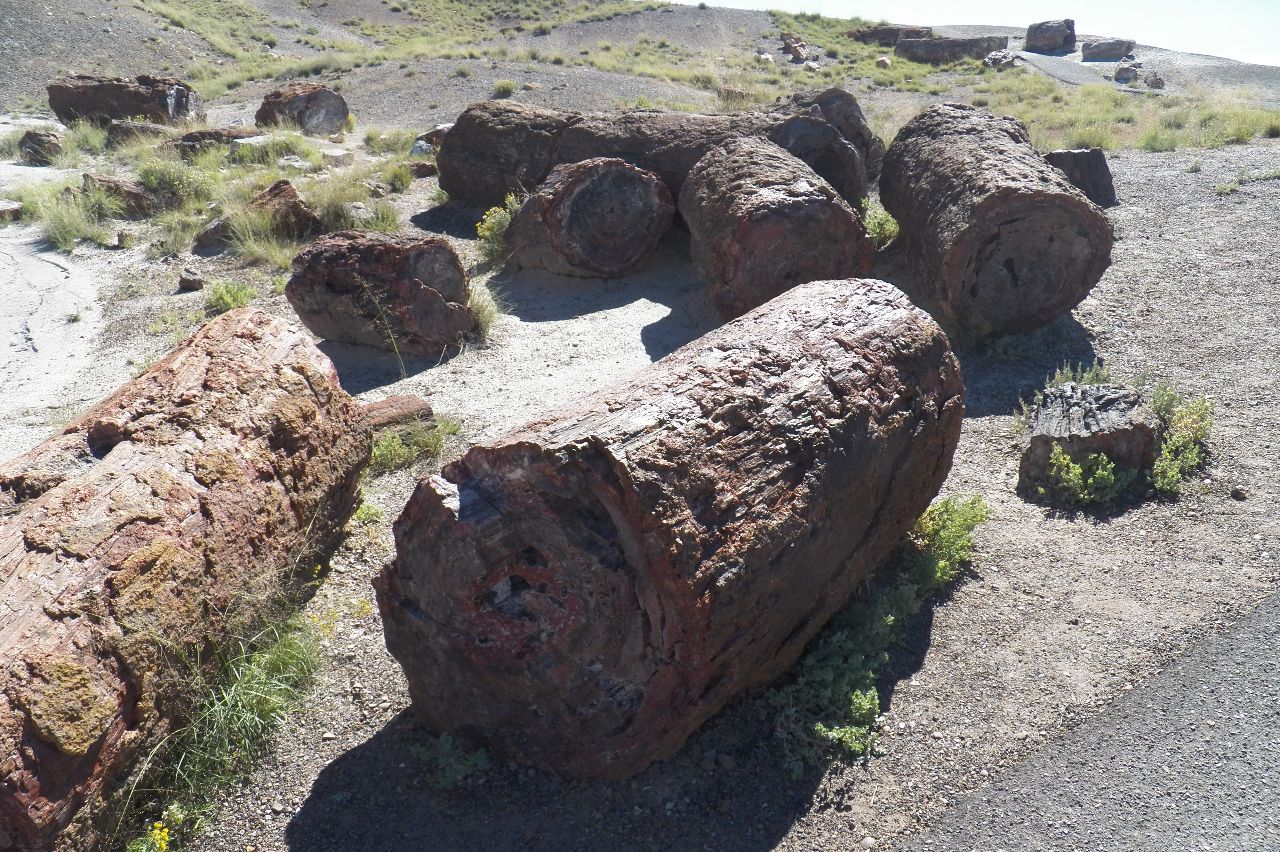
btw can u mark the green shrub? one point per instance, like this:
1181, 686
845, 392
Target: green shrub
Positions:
1093, 482
277, 146
389, 141
880, 224
830, 703
64, 222
228, 295
1156, 139
1096, 373
1184, 431
176, 181
257, 236
398, 177
492, 230
487, 305
400, 449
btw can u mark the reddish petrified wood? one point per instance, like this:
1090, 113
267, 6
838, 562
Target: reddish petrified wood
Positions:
761, 222
586, 591
164, 100
280, 202
500, 147
599, 218
1000, 240
396, 411
313, 108
153, 530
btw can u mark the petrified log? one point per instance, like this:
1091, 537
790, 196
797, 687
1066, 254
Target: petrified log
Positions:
841, 110
597, 218
1088, 172
163, 100
398, 410
134, 199
402, 294
197, 141
500, 147
1001, 241
40, 147
280, 202
124, 131
586, 591
941, 49
155, 529
762, 221
888, 35
315, 109
1106, 50
1051, 36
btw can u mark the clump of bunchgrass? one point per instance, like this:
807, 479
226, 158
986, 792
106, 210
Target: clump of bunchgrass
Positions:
401, 448
228, 295
881, 227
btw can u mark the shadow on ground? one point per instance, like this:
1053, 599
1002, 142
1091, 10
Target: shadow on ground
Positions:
1000, 374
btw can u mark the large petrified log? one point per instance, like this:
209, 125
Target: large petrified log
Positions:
887, 35
762, 221
403, 294
500, 147
313, 108
841, 110
943, 49
164, 100
152, 530
585, 592
1000, 240
1051, 36
597, 218
1088, 172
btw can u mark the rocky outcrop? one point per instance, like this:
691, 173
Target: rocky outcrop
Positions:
1106, 50
500, 147
403, 294
316, 110
1088, 172
40, 147
935, 51
1051, 37
762, 222
155, 529
599, 218
999, 240
280, 202
1085, 420
585, 592
162, 100
134, 200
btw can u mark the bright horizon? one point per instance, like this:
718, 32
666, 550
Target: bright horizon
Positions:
1244, 30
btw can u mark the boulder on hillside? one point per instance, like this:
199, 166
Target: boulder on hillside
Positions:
404, 294
135, 201
162, 100
39, 147
939, 50
316, 110
123, 131
889, 34
1051, 37
1088, 171
1106, 50
281, 202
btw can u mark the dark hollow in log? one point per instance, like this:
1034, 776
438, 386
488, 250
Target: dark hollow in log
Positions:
153, 530
761, 222
597, 218
1000, 240
500, 147
586, 591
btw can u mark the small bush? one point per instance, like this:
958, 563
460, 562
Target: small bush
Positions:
400, 449
256, 236
176, 181
880, 225
9, 144
1096, 373
1272, 130
1184, 428
487, 305
367, 515
504, 88
492, 230
462, 72
398, 177
285, 145
1156, 139
389, 141
228, 295
68, 218
1093, 482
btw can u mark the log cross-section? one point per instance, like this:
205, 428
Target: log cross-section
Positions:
586, 591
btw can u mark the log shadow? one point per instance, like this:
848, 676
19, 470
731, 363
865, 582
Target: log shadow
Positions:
451, 218
362, 368
999, 374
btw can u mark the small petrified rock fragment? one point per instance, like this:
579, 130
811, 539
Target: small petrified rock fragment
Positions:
761, 222
317, 110
280, 202
399, 410
40, 147
586, 591
1088, 172
134, 200
404, 294
599, 218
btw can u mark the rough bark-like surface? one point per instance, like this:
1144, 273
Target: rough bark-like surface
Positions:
939, 50
197, 141
162, 100
1000, 240
280, 201
134, 199
397, 293
122, 132
1051, 36
586, 591
317, 110
1088, 172
1084, 420
500, 147
762, 222
889, 35
841, 110
152, 530
1106, 50
399, 410
599, 218
39, 147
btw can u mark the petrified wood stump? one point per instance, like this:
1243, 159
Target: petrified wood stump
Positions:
1000, 240
153, 530
586, 591
597, 218
762, 221
500, 147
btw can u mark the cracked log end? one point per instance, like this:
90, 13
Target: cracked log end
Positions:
586, 591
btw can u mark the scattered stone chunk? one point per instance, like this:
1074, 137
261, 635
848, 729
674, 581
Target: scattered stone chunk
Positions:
10, 211
883, 62
122, 132
586, 591
190, 281
1088, 171
1125, 73
403, 294
1051, 37
939, 50
281, 202
135, 201
148, 535
761, 222
337, 157
423, 169
40, 147
317, 110
1000, 59
160, 100
1000, 241
600, 218
401, 410
1153, 80
1084, 420
1106, 50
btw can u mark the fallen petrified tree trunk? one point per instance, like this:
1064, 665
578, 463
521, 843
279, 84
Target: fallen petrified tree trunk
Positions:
761, 222
164, 100
586, 591
1001, 240
841, 110
151, 531
597, 218
500, 147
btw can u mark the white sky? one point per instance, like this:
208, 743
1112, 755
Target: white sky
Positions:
1247, 30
